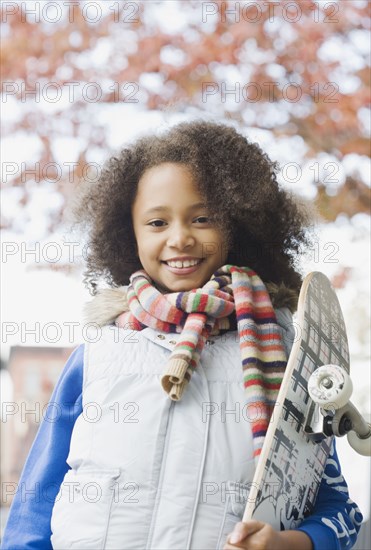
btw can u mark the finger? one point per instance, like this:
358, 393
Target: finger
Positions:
244, 529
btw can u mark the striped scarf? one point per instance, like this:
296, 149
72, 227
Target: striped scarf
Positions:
234, 297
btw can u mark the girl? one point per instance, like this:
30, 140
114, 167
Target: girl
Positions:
155, 439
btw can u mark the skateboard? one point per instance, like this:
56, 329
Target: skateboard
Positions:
312, 408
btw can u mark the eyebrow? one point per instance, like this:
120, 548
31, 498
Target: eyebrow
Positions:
155, 209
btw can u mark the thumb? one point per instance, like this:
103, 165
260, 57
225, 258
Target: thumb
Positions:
242, 529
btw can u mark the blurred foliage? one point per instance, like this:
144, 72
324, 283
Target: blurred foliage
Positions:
266, 52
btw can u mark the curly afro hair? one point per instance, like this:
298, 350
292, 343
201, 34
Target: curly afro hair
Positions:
265, 227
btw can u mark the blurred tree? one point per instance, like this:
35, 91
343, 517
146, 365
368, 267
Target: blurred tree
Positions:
289, 67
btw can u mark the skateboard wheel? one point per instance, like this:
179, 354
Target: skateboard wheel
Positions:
330, 386
361, 446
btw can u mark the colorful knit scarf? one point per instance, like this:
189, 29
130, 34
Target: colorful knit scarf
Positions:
234, 297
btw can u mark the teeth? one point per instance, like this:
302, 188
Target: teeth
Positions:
186, 263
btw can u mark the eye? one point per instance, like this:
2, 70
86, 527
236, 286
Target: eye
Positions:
202, 219
156, 223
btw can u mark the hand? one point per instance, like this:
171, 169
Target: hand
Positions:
253, 535
256, 535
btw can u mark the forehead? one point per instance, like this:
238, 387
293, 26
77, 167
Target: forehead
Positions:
168, 183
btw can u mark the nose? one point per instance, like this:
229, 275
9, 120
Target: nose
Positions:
180, 237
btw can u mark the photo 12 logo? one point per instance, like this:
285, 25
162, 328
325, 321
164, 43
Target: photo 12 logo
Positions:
54, 12
270, 92
255, 12
53, 92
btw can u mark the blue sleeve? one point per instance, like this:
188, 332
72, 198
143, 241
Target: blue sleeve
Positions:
336, 519
28, 525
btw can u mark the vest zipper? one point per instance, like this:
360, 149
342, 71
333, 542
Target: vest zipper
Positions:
161, 474
203, 459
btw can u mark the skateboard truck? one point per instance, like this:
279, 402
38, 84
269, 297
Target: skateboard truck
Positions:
330, 388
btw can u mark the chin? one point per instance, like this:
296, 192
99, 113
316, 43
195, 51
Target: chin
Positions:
188, 286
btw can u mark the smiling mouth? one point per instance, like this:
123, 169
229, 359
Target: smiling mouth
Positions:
187, 267
184, 264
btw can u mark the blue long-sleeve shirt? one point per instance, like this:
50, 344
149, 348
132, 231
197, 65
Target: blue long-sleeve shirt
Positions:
334, 524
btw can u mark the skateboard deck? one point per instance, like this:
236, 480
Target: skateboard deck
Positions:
292, 461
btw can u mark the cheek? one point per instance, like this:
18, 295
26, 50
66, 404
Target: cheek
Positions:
148, 251
221, 247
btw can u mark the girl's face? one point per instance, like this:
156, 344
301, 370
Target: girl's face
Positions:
178, 246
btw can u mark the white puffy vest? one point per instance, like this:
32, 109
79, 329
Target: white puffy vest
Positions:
148, 472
